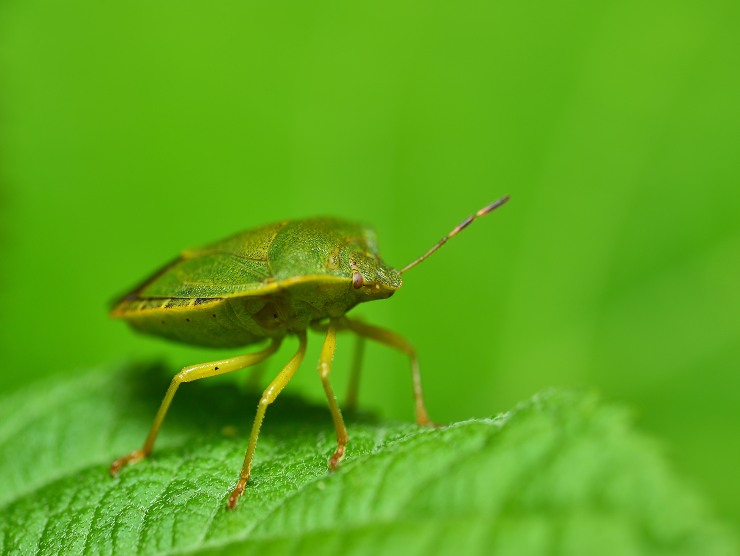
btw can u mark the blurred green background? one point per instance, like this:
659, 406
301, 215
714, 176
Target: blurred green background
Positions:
129, 131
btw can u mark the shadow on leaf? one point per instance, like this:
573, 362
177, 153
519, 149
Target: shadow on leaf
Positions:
222, 407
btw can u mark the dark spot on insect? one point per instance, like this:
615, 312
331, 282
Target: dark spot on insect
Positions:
215, 368
268, 317
357, 280
201, 300
187, 320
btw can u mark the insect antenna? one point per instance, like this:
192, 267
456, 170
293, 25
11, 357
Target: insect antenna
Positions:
459, 228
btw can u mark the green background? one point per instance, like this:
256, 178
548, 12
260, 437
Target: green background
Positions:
130, 131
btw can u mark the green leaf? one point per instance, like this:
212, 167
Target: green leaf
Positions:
560, 473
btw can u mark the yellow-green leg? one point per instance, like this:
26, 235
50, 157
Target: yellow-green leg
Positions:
327, 356
402, 344
189, 374
268, 396
350, 402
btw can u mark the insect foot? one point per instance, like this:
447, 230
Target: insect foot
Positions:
122, 462
237, 493
336, 458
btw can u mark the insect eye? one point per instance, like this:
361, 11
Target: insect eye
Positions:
357, 281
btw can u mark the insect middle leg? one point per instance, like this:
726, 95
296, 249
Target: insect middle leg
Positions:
400, 343
268, 396
189, 374
350, 402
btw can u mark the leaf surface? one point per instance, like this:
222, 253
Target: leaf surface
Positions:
560, 473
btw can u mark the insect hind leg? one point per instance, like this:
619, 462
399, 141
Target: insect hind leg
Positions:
189, 374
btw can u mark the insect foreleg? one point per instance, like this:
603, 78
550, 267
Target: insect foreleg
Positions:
268, 396
400, 343
325, 361
189, 374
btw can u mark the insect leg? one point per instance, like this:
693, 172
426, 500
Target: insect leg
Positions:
268, 396
189, 374
350, 402
400, 343
325, 361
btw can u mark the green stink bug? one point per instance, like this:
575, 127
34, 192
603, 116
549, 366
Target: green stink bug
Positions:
266, 283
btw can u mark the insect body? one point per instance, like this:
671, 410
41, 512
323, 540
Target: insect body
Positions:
265, 284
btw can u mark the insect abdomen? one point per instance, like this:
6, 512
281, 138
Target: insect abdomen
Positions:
211, 322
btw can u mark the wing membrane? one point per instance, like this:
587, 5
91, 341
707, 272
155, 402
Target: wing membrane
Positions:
207, 275
233, 266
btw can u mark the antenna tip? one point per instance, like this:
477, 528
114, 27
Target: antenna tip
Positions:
494, 205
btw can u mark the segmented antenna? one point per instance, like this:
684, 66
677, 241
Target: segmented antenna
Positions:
459, 228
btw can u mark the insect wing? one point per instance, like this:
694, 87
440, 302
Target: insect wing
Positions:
208, 275
236, 265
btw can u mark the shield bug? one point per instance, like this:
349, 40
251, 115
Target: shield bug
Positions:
262, 285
